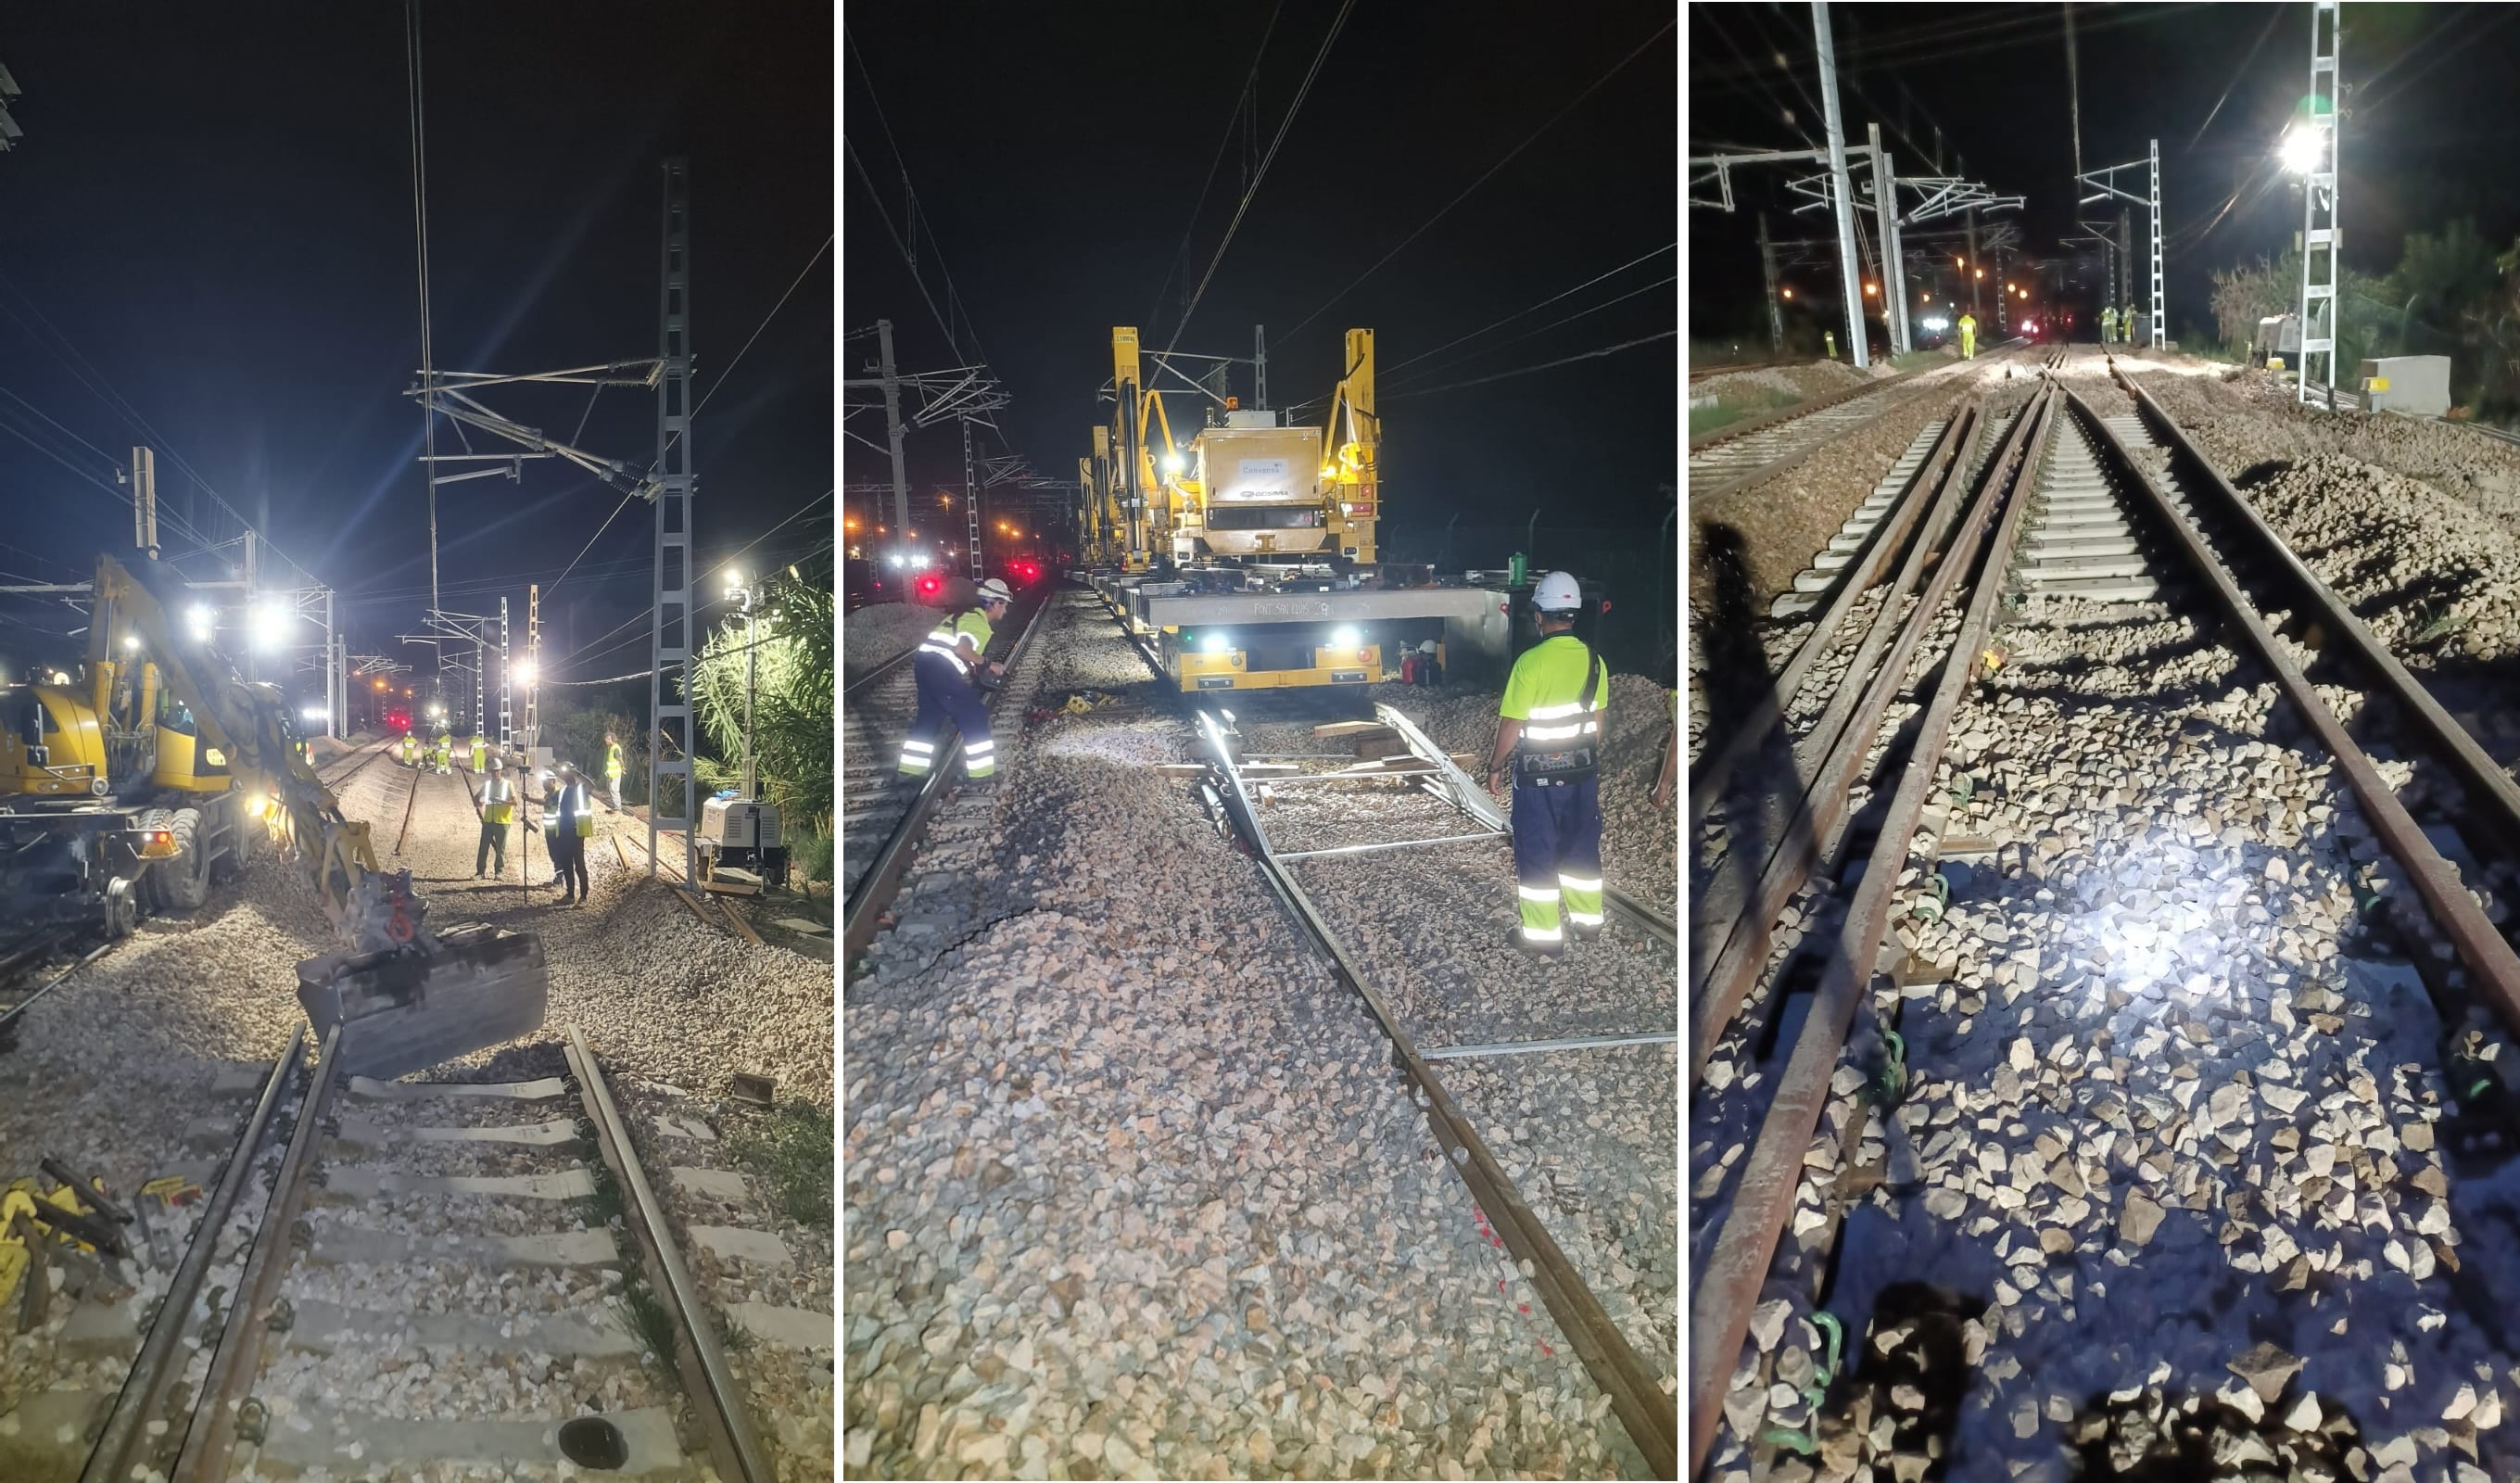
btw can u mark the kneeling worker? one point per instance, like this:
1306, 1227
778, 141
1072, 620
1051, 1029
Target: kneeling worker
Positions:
1550, 733
498, 811
946, 666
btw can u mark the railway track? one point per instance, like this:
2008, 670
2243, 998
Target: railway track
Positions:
876, 712
2169, 877
1758, 449
434, 1275
1326, 831
881, 821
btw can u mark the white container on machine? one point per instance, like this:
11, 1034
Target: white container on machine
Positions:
2418, 385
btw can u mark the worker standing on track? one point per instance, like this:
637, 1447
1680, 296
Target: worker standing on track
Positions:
410, 751
613, 768
1968, 336
946, 665
480, 751
498, 811
1828, 338
1551, 733
2108, 322
442, 752
575, 826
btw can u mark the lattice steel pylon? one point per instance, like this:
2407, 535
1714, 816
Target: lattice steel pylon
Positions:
2159, 312
971, 501
2122, 255
672, 634
2318, 237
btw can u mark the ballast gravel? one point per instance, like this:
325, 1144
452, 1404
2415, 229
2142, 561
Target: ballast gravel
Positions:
878, 631
2175, 1163
1130, 1189
2416, 525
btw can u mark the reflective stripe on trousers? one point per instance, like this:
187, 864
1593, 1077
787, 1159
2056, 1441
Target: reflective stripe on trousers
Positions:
945, 694
1558, 856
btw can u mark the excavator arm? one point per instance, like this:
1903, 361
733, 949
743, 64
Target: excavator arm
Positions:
248, 723
404, 998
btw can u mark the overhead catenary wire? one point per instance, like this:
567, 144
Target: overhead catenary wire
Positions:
799, 513
419, 261
1458, 361
765, 323
1566, 360
1338, 23
1509, 156
1396, 368
1243, 103
84, 371
909, 255
589, 651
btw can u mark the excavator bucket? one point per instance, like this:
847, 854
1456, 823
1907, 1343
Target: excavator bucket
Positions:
413, 1006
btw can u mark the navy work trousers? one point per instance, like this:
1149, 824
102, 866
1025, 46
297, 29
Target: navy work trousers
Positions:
946, 694
1558, 856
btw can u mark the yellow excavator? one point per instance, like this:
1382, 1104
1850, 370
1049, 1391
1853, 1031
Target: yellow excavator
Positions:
160, 769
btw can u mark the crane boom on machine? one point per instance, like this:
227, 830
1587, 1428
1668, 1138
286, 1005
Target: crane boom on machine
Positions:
160, 767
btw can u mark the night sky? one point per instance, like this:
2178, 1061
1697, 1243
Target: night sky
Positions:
213, 205
1058, 163
2428, 120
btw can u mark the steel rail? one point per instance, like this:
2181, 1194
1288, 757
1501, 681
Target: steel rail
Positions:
1634, 1394
2439, 731
1736, 1269
1496, 1049
877, 671
9, 1017
2481, 947
1765, 420
1640, 916
1823, 807
732, 1434
882, 882
157, 1364
1928, 486
1390, 844
1782, 465
410, 801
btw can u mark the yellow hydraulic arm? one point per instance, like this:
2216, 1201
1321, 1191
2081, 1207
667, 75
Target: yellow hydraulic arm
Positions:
250, 723
1350, 442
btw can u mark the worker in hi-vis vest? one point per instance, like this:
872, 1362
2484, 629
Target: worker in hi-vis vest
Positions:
498, 812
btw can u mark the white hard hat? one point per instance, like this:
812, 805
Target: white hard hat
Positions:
995, 591
1556, 592
494, 762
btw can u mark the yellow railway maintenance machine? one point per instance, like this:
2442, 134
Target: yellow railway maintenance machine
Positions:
130, 787
1269, 529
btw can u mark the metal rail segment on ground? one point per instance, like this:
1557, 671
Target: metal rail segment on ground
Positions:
160, 1359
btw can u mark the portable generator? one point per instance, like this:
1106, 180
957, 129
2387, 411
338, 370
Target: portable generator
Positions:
742, 834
